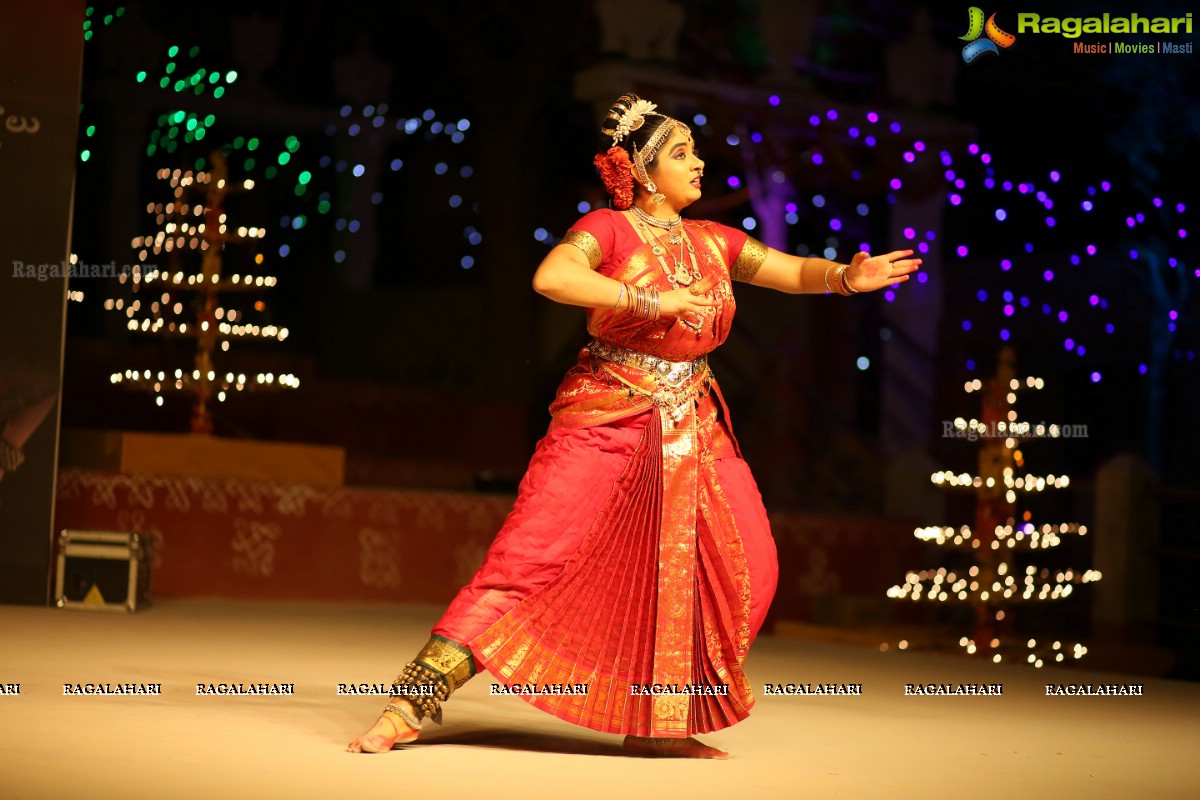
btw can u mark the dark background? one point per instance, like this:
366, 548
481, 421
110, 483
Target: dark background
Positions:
432, 374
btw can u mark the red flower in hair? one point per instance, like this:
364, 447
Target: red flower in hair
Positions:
616, 172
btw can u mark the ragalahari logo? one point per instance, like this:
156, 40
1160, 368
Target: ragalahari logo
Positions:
995, 37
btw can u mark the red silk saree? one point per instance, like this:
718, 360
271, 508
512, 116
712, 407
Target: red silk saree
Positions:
638, 555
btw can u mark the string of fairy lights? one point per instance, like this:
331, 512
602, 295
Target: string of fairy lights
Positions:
1010, 535
184, 303
186, 77
995, 582
1057, 226
182, 226
971, 176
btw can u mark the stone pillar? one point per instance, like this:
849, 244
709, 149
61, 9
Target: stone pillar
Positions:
787, 29
361, 77
1126, 532
920, 72
908, 354
642, 30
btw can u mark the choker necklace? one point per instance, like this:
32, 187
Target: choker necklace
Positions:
671, 226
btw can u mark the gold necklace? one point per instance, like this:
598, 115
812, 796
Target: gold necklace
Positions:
672, 226
681, 275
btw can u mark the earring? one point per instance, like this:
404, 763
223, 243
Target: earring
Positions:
656, 198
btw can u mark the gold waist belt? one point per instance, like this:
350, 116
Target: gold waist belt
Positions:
672, 373
680, 383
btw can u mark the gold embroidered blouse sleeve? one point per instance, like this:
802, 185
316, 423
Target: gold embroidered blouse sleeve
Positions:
745, 267
587, 243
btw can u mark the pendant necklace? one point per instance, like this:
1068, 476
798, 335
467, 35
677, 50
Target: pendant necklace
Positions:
682, 275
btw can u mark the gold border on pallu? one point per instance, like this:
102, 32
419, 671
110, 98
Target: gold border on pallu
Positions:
674, 631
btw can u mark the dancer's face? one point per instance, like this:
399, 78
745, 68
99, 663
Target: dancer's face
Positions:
678, 169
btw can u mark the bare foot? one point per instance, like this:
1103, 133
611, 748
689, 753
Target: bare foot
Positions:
671, 748
388, 731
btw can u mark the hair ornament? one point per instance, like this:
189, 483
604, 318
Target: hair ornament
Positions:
632, 119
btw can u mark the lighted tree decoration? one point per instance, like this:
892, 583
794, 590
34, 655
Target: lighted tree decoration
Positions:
187, 228
995, 582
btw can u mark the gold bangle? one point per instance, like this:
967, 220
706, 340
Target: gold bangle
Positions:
827, 284
620, 297
644, 302
845, 281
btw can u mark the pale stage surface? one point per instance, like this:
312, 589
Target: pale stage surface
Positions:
881, 744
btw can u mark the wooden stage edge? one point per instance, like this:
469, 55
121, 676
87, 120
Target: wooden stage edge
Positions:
194, 455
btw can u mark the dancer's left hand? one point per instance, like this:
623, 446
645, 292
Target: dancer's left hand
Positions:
868, 273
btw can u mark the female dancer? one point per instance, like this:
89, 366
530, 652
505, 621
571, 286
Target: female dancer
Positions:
637, 562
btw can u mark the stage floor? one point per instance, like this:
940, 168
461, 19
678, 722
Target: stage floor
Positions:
881, 744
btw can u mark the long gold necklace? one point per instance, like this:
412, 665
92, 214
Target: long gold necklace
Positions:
681, 275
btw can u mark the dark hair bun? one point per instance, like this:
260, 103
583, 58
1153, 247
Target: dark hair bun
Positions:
616, 111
